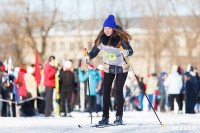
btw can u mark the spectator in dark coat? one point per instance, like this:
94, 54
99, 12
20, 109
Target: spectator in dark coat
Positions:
67, 79
191, 89
198, 93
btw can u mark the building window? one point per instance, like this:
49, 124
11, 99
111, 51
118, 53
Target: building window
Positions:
72, 46
53, 46
13, 46
178, 43
137, 44
62, 46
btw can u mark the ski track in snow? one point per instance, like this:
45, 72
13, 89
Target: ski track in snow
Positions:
136, 122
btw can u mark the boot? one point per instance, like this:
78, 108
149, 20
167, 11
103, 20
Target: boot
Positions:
104, 121
118, 120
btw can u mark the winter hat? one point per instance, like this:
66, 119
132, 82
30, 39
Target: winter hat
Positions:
30, 70
179, 70
68, 64
162, 74
154, 74
191, 69
174, 68
90, 66
52, 58
100, 67
110, 22
188, 67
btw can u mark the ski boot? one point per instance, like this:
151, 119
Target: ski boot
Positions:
104, 121
118, 120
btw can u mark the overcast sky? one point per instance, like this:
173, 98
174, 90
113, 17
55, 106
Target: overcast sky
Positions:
102, 8
89, 8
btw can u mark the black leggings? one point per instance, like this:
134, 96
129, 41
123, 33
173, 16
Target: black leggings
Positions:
92, 104
64, 95
48, 100
178, 99
119, 84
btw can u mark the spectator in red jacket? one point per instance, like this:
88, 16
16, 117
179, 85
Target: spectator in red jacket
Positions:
21, 83
49, 83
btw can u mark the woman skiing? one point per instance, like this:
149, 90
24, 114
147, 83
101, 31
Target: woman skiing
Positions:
114, 64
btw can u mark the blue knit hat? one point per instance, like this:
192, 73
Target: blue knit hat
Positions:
110, 22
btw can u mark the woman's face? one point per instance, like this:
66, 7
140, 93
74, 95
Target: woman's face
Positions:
108, 31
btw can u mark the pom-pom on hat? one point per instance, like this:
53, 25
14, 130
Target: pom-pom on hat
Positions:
110, 22
90, 66
68, 64
30, 70
100, 67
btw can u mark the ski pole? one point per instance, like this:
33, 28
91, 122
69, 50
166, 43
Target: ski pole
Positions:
127, 60
86, 54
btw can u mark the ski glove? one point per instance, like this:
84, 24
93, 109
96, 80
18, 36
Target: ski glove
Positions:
125, 52
86, 59
56, 68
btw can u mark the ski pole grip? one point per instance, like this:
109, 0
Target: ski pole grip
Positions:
86, 53
121, 46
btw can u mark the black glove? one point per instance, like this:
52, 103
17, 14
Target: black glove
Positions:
56, 68
75, 91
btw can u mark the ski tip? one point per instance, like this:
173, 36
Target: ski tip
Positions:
163, 125
79, 126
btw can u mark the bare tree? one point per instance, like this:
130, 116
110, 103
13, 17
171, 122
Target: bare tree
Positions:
190, 26
153, 23
24, 24
44, 22
12, 32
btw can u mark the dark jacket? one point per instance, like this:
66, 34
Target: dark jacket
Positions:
109, 68
161, 87
67, 80
191, 85
142, 87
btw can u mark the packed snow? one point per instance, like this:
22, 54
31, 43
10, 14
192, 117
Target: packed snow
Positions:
136, 122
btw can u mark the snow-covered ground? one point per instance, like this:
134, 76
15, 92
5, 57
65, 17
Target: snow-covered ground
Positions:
136, 122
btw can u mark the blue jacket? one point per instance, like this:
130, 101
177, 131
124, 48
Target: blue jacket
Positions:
94, 78
161, 87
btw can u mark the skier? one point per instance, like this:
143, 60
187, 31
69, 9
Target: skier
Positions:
114, 64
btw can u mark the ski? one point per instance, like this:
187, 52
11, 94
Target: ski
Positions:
106, 125
102, 125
